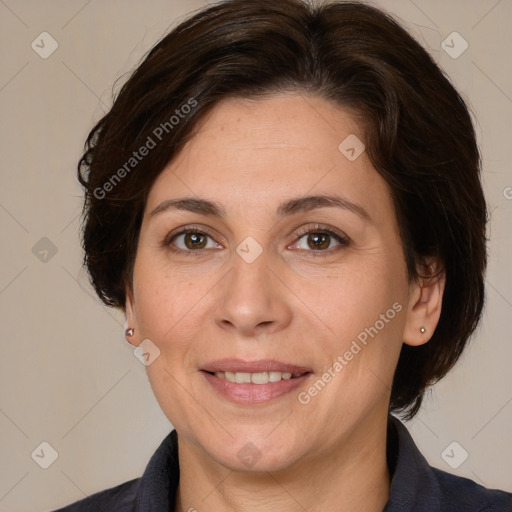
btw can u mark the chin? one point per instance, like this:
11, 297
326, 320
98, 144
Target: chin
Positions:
257, 453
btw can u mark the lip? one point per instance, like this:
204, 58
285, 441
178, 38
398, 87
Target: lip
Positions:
252, 394
260, 365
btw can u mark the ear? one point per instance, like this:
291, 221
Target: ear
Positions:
131, 318
424, 307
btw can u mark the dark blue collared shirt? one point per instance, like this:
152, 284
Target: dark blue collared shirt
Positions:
415, 485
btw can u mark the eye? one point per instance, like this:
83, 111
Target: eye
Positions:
190, 240
319, 239
314, 239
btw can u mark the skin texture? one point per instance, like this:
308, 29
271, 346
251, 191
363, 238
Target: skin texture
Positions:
294, 303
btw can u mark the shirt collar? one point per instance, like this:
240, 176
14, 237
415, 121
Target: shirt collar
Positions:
414, 485
157, 487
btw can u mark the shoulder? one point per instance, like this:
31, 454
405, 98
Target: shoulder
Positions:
470, 495
156, 487
121, 498
416, 485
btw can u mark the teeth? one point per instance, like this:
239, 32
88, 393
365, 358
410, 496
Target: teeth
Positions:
259, 378
255, 378
242, 378
274, 376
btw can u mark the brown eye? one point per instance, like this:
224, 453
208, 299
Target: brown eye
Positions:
318, 240
195, 240
191, 241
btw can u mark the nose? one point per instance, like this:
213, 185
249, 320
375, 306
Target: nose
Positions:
252, 300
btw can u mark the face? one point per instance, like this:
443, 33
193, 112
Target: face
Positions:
303, 303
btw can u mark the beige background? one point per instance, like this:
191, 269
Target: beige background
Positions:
67, 376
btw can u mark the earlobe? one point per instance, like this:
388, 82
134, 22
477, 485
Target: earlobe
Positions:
424, 311
130, 328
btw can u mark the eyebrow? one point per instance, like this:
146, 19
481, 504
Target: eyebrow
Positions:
291, 207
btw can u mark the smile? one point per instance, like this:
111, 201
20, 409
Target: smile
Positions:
250, 393
256, 378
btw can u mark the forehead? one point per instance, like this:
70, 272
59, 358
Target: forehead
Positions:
280, 122
257, 152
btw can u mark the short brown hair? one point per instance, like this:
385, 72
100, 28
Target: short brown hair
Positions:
418, 134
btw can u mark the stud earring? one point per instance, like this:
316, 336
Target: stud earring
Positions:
129, 332
423, 330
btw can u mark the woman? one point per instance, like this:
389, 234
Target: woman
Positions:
283, 199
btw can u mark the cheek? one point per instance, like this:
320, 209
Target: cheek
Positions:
355, 296
364, 309
167, 305
166, 300
366, 314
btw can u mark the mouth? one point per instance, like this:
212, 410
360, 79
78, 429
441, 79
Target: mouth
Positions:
253, 382
258, 378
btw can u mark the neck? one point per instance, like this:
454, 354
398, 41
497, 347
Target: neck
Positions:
351, 476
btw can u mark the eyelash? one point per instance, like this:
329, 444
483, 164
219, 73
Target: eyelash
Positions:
317, 229
185, 231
